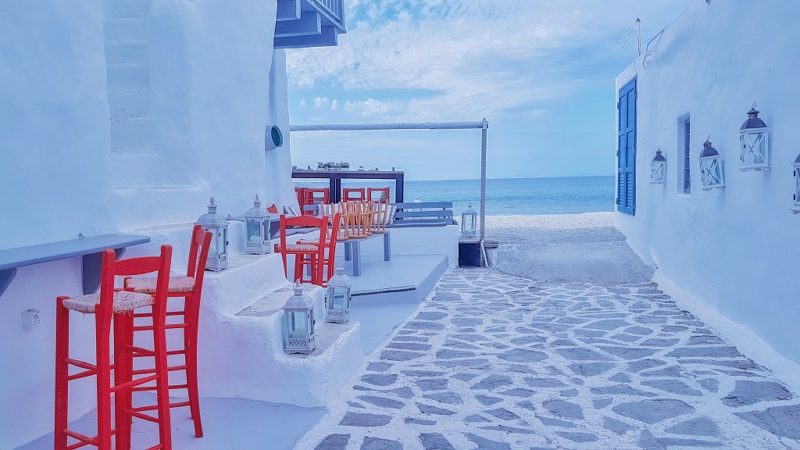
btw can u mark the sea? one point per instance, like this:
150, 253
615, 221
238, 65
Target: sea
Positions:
509, 196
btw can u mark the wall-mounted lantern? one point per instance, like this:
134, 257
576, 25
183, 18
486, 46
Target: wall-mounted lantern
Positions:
273, 137
796, 208
218, 226
754, 140
298, 323
711, 173
469, 221
337, 297
257, 235
658, 168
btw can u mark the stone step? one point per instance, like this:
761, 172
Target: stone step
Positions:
128, 76
130, 135
123, 30
119, 9
126, 52
129, 103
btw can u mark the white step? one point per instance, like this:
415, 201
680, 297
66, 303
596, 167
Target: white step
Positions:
128, 76
129, 103
116, 30
126, 52
126, 8
130, 135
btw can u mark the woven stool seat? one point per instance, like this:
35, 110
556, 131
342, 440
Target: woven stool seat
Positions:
123, 301
297, 247
147, 285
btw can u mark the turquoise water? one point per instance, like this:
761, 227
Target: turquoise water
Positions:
513, 196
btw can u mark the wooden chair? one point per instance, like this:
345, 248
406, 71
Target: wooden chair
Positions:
353, 194
329, 252
315, 253
382, 194
189, 288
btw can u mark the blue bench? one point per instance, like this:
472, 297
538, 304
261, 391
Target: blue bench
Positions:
89, 248
423, 214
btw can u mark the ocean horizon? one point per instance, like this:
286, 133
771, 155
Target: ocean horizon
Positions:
509, 196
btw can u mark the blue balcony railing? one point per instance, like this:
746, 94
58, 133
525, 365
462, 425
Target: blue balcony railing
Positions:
309, 23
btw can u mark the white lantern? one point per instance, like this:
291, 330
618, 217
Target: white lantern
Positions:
218, 226
796, 208
754, 139
337, 297
711, 174
469, 221
658, 168
257, 232
298, 323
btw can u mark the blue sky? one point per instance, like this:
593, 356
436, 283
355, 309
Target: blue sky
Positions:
541, 72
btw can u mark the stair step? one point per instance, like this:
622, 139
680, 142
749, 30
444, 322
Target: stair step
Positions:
126, 52
130, 135
129, 103
126, 8
128, 76
116, 30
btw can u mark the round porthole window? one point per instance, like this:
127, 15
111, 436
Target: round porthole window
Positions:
274, 137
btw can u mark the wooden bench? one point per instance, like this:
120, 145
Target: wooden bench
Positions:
89, 248
423, 214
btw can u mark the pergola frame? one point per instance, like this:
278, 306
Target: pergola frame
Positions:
483, 125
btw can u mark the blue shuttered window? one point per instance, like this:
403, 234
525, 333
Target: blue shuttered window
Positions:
626, 149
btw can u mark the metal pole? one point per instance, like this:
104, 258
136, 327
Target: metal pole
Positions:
484, 133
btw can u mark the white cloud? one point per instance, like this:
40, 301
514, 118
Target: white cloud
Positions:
477, 57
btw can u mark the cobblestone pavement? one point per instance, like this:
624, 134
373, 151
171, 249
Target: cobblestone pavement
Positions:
493, 361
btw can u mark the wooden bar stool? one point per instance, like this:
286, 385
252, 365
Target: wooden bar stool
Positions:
300, 251
189, 288
382, 194
113, 305
353, 194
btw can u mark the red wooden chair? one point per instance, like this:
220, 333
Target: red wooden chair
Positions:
329, 250
315, 253
113, 305
353, 194
382, 194
189, 289
314, 196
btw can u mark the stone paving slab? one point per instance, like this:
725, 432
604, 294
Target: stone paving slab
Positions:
502, 362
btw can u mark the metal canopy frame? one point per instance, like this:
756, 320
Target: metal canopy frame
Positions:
483, 125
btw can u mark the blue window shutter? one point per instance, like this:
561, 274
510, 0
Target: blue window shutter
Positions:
626, 149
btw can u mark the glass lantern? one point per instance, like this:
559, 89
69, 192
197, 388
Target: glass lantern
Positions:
658, 168
298, 323
754, 139
337, 297
257, 233
711, 174
469, 221
796, 208
218, 226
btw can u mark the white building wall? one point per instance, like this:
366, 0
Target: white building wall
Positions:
735, 248
81, 152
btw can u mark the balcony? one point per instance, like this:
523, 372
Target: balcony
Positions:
309, 23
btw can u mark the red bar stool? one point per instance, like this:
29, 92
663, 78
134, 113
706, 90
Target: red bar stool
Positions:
328, 252
353, 194
383, 194
189, 288
315, 253
111, 304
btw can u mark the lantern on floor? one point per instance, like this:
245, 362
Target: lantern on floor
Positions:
469, 221
796, 208
658, 168
337, 297
754, 139
298, 323
257, 233
711, 174
218, 226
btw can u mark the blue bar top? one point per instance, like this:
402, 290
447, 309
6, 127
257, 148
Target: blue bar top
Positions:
24, 256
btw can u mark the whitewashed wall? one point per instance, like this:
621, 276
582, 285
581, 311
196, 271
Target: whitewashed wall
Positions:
736, 248
70, 163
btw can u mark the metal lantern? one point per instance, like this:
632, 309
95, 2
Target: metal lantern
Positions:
754, 139
257, 233
658, 168
469, 221
337, 297
298, 323
796, 208
711, 174
218, 226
